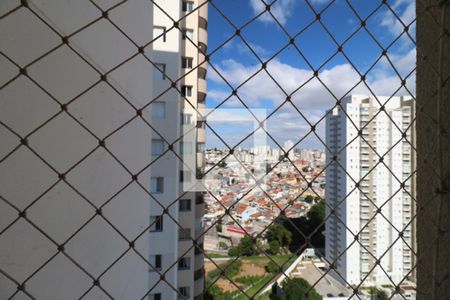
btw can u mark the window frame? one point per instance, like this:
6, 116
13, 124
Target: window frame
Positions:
154, 105
184, 91
157, 71
199, 274
155, 296
159, 183
184, 291
185, 176
185, 34
188, 6
161, 143
185, 208
157, 226
186, 119
186, 148
182, 236
157, 262
187, 62
164, 33
184, 263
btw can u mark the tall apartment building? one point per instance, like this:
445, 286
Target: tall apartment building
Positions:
71, 201
68, 208
176, 238
354, 160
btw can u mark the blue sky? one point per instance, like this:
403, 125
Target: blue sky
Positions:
236, 62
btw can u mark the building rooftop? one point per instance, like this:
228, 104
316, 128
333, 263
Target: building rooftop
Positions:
327, 286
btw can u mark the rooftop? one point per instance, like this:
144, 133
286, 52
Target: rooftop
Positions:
325, 285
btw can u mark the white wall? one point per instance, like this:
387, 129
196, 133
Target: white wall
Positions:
61, 210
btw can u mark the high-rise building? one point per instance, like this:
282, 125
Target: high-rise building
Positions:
70, 204
178, 55
81, 178
370, 189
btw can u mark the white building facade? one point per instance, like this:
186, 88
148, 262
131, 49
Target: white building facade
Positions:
72, 115
365, 194
176, 241
83, 177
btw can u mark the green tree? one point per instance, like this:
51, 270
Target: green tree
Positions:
223, 245
233, 251
378, 294
309, 199
247, 246
299, 289
317, 213
271, 267
274, 247
277, 232
311, 226
219, 227
222, 164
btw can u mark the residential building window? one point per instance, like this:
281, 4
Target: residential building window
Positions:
188, 33
185, 205
199, 198
186, 90
201, 124
159, 32
198, 274
157, 185
184, 291
186, 147
156, 223
157, 146
184, 263
188, 6
201, 147
184, 234
156, 262
159, 71
186, 119
156, 296
185, 176
186, 62
158, 110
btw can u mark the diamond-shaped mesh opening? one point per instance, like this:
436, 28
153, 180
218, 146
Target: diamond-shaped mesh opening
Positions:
262, 150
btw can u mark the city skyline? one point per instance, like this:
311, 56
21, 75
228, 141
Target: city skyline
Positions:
117, 164
236, 62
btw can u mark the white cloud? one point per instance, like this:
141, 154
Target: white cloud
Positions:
242, 48
281, 9
406, 11
403, 63
339, 79
260, 51
312, 99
